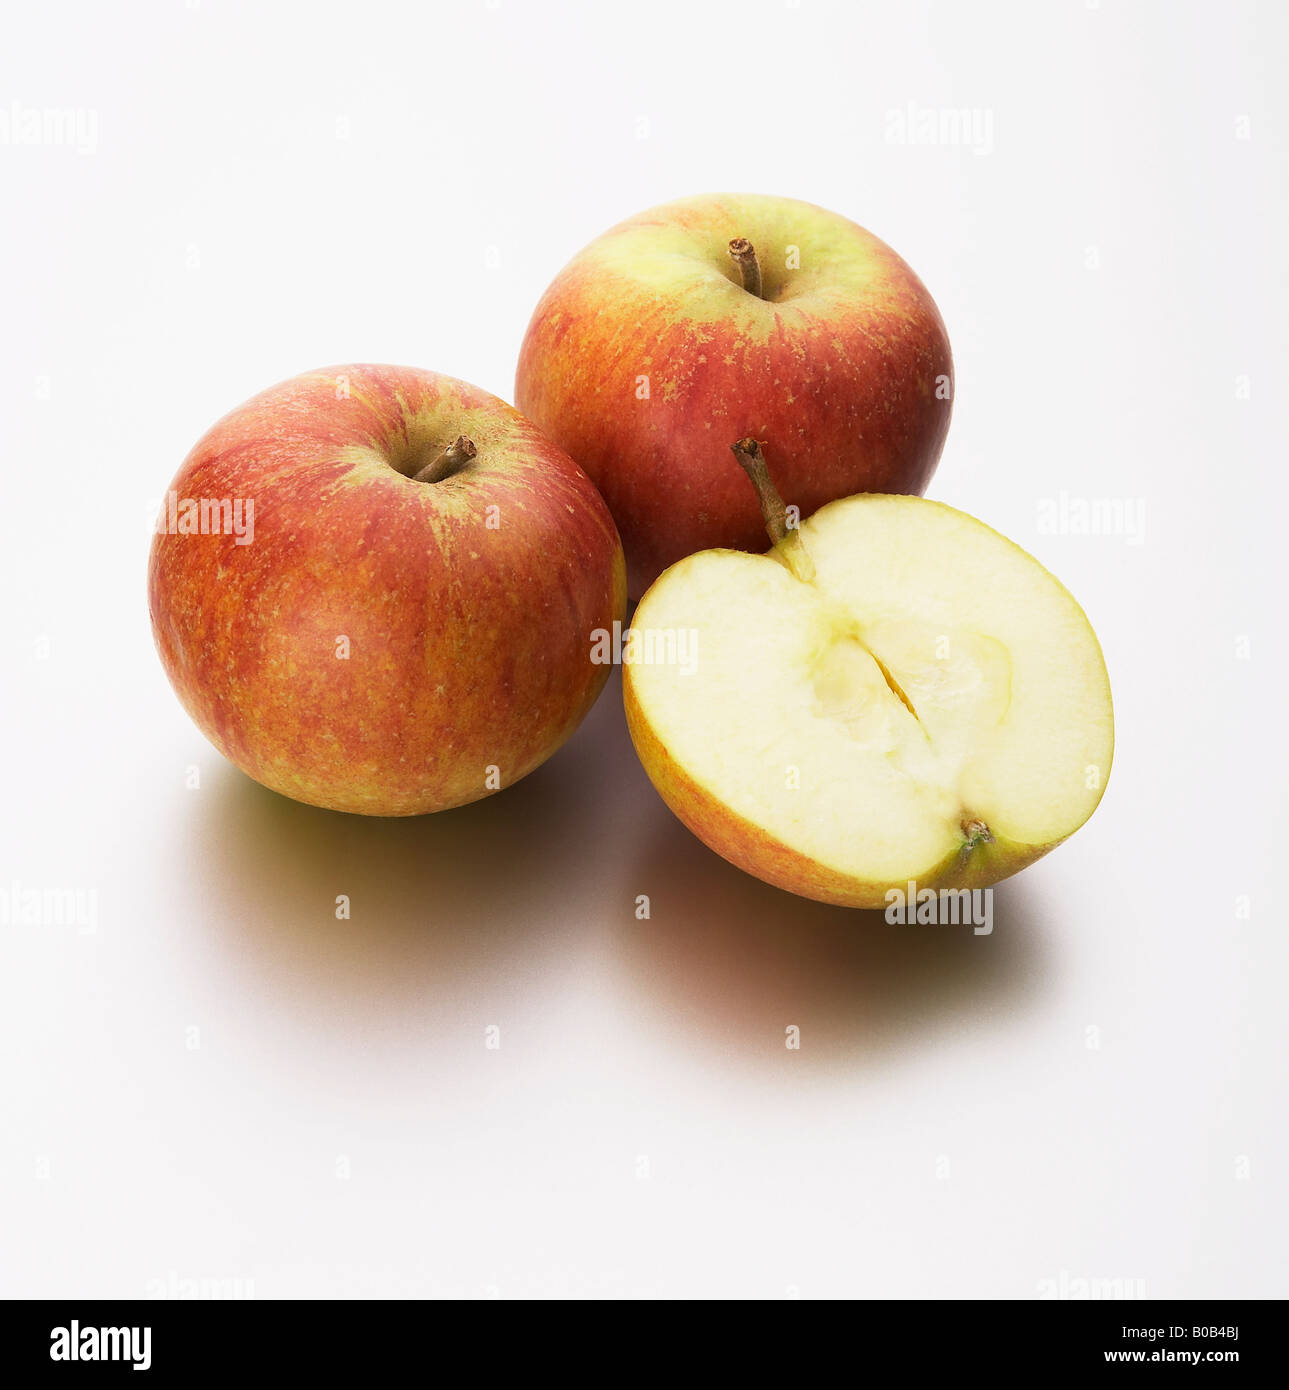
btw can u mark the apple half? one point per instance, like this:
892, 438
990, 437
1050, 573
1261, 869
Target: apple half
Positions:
893, 692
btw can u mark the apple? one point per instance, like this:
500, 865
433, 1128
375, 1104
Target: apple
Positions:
893, 693
376, 589
727, 315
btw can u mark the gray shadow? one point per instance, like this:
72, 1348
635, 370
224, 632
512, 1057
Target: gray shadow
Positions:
492, 901
441, 906
728, 963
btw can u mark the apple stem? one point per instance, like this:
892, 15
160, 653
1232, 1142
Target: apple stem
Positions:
787, 539
744, 256
443, 465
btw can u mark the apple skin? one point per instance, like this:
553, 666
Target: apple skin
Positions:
749, 847
842, 370
469, 646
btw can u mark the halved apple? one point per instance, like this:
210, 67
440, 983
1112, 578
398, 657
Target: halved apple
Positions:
893, 692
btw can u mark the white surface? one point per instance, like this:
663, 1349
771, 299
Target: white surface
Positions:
274, 189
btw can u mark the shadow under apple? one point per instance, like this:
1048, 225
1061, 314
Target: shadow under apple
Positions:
495, 908
449, 911
728, 964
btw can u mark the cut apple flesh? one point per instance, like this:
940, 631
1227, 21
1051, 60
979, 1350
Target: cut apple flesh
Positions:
930, 704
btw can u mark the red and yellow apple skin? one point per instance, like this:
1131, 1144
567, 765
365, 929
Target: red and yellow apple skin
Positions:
646, 357
383, 645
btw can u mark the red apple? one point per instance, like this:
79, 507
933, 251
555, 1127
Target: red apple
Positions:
648, 354
375, 589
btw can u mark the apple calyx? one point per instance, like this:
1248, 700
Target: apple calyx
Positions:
976, 833
786, 539
443, 465
743, 254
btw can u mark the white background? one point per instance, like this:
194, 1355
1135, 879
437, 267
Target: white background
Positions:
271, 189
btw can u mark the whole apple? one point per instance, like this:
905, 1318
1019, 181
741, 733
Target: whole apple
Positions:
375, 589
727, 315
